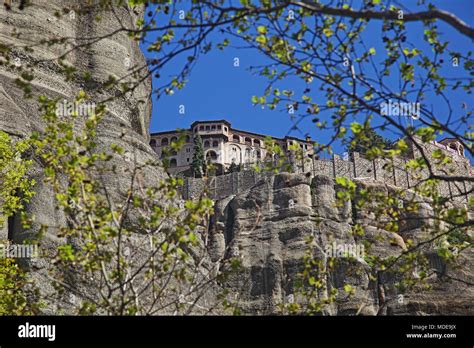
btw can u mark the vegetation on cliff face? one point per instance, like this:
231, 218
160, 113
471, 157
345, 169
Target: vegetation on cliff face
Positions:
142, 250
15, 187
15, 191
363, 142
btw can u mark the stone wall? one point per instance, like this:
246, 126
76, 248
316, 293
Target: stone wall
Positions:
357, 167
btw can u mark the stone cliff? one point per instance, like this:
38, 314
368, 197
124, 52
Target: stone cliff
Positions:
126, 123
128, 118
268, 225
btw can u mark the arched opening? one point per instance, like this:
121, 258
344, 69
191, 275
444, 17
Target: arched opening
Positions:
188, 138
211, 156
215, 143
164, 142
236, 138
235, 154
248, 141
174, 139
256, 142
173, 163
206, 143
153, 143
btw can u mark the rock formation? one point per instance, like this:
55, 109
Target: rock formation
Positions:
127, 120
113, 56
268, 225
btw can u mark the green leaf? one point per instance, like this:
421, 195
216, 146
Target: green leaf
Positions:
261, 39
262, 29
328, 32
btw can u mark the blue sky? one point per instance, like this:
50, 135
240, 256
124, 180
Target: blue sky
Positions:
218, 90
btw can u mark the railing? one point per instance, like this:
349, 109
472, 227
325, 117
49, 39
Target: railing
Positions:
358, 168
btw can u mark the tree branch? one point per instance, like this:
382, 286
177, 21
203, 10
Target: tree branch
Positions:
445, 16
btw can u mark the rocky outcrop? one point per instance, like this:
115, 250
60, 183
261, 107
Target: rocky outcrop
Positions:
128, 117
268, 227
127, 121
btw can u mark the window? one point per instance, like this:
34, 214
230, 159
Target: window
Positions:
188, 149
248, 141
174, 139
219, 127
206, 143
152, 142
248, 155
173, 163
164, 142
236, 138
256, 142
213, 127
187, 159
215, 143
208, 127
225, 129
188, 138
259, 155
201, 127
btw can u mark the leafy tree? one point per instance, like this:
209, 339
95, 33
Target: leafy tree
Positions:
233, 168
110, 263
364, 141
17, 293
199, 163
16, 290
15, 187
